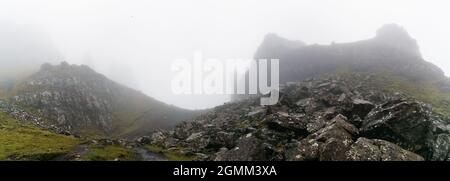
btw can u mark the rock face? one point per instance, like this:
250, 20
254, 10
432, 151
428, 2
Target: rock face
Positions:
332, 118
18, 113
76, 98
405, 123
68, 95
247, 149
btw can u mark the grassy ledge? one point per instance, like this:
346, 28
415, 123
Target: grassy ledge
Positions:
21, 141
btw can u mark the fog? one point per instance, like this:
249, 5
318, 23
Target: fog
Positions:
134, 42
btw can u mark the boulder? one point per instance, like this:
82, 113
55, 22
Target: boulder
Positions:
247, 149
440, 150
304, 150
401, 122
170, 142
338, 128
223, 139
157, 138
379, 150
334, 149
284, 122
304, 102
362, 107
144, 140
186, 129
194, 136
335, 139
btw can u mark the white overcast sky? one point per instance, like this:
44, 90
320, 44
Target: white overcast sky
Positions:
134, 41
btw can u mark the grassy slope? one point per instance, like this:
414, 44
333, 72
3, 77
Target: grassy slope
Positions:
135, 113
128, 115
21, 141
26, 142
139, 114
425, 91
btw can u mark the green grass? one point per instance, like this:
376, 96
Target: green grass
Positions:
171, 155
19, 141
428, 92
110, 153
155, 148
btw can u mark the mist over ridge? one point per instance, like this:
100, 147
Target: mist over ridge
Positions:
134, 43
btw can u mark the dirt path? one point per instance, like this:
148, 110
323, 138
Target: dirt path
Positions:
77, 153
146, 155
81, 150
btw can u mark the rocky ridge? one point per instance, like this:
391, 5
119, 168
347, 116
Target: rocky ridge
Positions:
78, 99
392, 51
329, 118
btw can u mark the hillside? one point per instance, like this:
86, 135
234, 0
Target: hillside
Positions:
81, 101
26, 137
371, 100
21, 141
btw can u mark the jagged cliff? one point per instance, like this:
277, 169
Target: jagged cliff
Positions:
391, 50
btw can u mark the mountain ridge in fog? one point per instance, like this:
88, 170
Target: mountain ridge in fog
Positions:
392, 49
76, 99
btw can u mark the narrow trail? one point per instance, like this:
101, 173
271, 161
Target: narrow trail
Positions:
77, 153
146, 155
81, 150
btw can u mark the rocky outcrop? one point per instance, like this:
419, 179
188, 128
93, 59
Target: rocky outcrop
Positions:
18, 113
68, 95
248, 148
332, 118
406, 123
